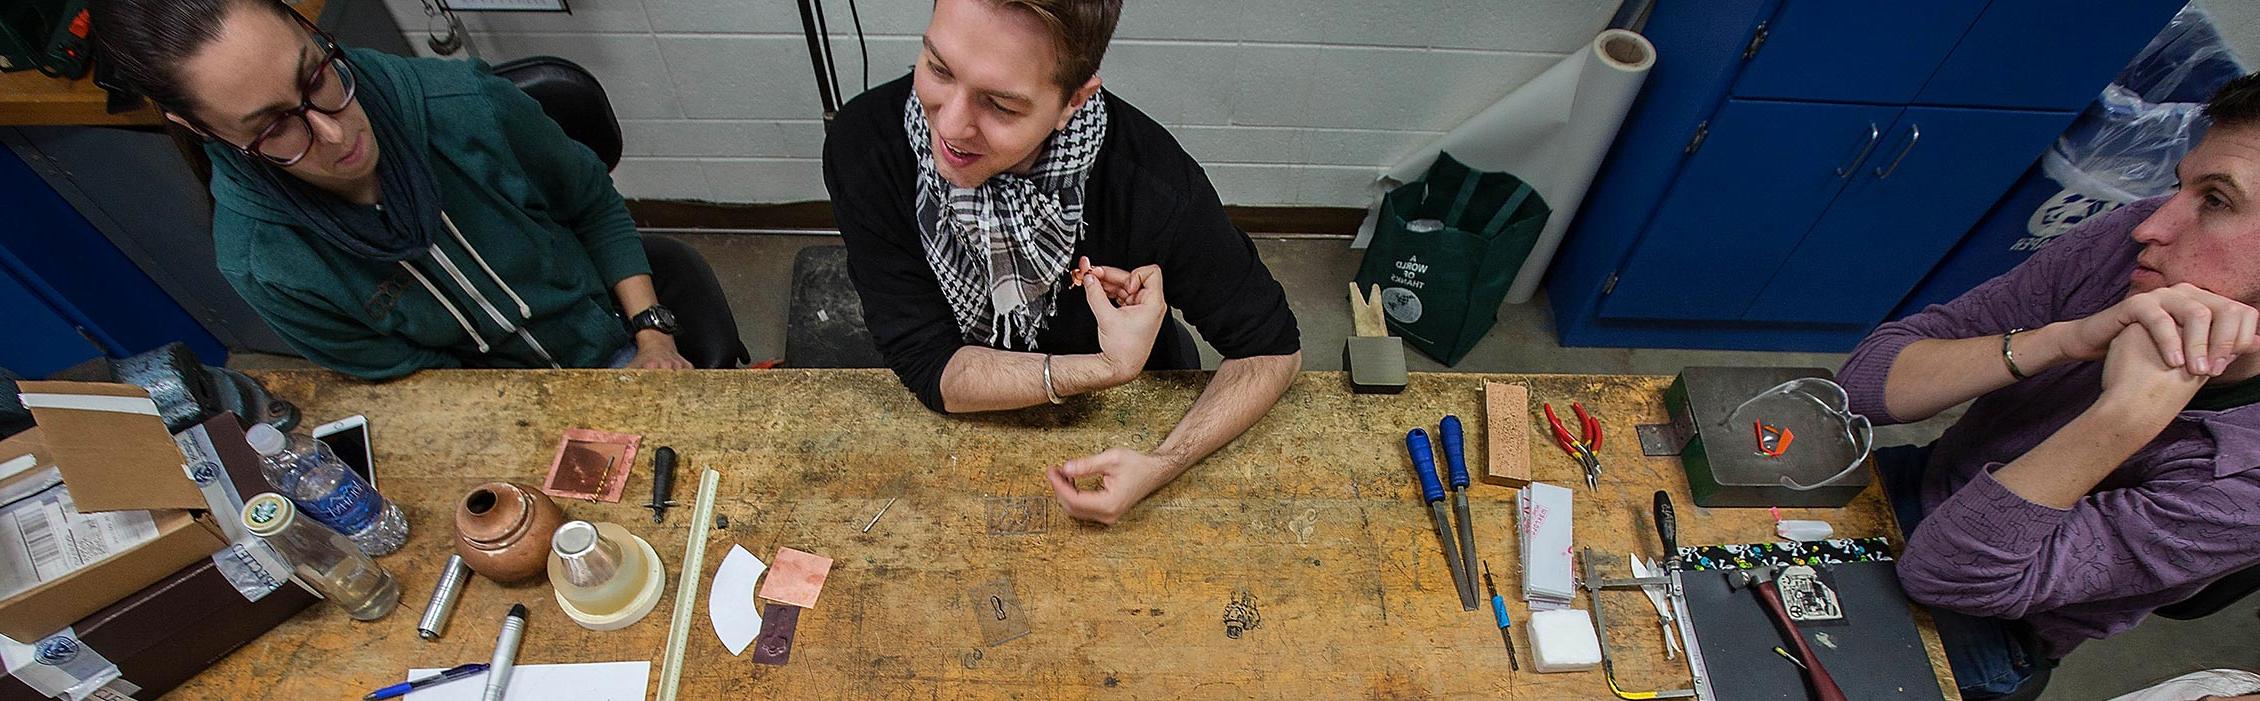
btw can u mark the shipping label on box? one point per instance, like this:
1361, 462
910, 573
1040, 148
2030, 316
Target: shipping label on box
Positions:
43, 537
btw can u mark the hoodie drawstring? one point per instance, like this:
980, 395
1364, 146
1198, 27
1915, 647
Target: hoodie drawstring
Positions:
446, 263
524, 312
450, 306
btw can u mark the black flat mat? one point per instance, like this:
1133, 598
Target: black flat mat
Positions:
1874, 652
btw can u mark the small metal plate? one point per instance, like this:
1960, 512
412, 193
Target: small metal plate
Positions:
775, 644
1662, 440
1806, 597
998, 609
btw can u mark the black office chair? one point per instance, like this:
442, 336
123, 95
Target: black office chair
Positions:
572, 97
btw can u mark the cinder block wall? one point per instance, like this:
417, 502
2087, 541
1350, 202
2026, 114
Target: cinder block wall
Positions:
1285, 102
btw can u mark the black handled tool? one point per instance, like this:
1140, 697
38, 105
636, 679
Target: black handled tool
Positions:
1667, 529
662, 483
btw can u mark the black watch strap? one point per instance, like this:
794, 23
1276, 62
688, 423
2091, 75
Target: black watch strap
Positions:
655, 317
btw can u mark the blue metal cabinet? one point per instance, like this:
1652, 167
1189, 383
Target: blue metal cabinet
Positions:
1835, 51
1766, 171
2044, 54
39, 340
76, 295
1939, 170
1724, 216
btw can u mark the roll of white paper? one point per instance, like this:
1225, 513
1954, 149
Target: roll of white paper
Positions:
1552, 133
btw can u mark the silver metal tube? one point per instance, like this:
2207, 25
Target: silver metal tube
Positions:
444, 595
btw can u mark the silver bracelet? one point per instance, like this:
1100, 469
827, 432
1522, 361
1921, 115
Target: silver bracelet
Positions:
1050, 394
2009, 357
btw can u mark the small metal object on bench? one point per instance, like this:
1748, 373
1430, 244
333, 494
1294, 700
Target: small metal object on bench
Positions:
1666, 439
1375, 359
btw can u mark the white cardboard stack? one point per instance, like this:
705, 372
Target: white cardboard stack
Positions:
1547, 578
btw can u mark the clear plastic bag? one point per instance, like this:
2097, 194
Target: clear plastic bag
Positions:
2124, 146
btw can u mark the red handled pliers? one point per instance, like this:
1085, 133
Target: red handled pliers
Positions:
1581, 447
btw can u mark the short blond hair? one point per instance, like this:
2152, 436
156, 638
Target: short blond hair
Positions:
1080, 31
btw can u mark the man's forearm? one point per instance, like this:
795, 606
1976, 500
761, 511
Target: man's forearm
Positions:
2062, 469
1243, 390
1933, 375
987, 379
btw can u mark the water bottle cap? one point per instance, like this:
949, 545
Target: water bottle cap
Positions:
266, 439
268, 514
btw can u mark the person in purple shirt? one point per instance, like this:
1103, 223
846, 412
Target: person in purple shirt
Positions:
2106, 467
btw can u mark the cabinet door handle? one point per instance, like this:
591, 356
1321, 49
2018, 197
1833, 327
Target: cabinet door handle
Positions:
1854, 164
1914, 134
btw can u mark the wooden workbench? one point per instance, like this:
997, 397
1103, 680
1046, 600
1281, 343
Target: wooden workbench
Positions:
1314, 513
29, 98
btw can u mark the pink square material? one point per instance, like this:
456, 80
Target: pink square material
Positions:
795, 578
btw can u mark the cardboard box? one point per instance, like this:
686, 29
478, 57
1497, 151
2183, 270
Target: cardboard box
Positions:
168, 632
114, 454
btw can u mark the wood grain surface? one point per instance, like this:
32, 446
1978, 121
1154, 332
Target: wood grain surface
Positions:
1314, 516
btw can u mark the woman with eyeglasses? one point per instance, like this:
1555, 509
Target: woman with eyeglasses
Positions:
388, 214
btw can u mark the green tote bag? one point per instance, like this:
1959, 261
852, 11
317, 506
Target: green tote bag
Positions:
1442, 285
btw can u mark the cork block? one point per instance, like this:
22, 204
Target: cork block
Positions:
1506, 424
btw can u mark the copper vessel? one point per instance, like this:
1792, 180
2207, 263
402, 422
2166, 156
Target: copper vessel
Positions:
502, 530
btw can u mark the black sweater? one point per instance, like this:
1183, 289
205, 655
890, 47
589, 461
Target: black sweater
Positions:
1146, 203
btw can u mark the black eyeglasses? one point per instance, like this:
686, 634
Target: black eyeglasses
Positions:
328, 89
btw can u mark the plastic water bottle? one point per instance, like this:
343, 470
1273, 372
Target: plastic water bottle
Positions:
323, 487
323, 558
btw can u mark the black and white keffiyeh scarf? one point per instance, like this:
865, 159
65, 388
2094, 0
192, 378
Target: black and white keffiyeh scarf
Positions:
1000, 250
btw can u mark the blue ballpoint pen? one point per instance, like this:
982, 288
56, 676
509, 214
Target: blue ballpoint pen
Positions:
402, 689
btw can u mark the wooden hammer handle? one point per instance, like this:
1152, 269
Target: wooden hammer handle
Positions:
1824, 686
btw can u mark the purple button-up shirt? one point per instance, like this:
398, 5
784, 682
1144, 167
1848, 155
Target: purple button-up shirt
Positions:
2180, 513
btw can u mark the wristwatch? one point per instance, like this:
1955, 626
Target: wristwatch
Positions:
654, 317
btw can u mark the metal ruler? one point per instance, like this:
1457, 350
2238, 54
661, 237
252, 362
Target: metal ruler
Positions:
686, 592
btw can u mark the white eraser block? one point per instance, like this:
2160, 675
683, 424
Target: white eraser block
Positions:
1562, 641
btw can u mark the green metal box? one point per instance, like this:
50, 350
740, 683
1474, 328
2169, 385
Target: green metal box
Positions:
1722, 468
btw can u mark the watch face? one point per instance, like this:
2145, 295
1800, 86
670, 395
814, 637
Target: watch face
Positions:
657, 317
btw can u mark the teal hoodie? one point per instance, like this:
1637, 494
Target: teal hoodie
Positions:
544, 237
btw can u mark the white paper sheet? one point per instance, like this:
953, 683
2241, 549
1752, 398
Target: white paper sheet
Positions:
1552, 133
730, 604
595, 681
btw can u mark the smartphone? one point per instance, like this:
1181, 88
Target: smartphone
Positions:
349, 438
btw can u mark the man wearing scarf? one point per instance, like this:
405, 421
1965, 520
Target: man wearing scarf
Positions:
971, 193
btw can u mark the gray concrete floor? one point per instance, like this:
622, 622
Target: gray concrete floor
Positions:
756, 273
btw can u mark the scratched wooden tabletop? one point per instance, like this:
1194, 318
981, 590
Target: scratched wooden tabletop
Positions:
1313, 517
